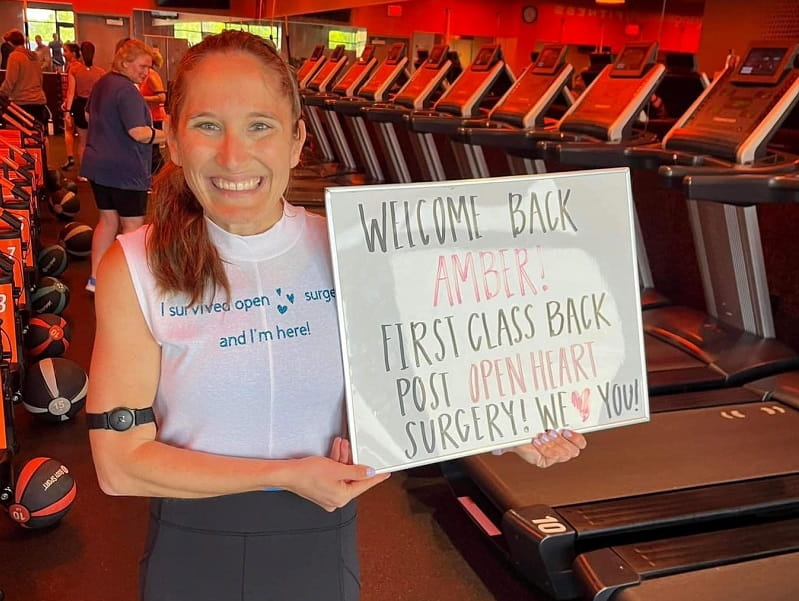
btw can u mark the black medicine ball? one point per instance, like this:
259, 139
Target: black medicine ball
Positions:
44, 493
77, 239
51, 296
52, 260
55, 389
48, 335
65, 204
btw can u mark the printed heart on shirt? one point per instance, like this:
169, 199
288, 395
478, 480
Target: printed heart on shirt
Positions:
290, 298
582, 403
282, 309
278, 291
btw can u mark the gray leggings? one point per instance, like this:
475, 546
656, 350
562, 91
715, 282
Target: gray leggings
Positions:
263, 546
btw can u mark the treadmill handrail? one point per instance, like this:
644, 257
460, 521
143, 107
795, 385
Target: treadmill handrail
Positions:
682, 171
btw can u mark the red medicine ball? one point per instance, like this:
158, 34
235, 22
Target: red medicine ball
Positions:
43, 494
48, 335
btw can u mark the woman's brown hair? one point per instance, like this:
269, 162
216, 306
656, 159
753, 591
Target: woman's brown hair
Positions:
180, 253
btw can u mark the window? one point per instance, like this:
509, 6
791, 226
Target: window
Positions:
45, 22
195, 31
354, 40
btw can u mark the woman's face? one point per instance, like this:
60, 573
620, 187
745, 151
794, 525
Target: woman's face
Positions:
68, 54
137, 69
237, 141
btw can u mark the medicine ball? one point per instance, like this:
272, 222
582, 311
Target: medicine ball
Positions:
48, 335
65, 204
70, 184
55, 389
51, 296
44, 493
77, 239
52, 260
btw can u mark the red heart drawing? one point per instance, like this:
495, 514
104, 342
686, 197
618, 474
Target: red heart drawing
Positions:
582, 403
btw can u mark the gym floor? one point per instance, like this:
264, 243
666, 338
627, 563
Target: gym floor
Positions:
416, 543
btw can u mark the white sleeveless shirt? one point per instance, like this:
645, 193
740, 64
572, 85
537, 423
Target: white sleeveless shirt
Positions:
259, 375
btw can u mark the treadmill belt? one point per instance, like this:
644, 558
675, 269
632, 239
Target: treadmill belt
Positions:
767, 579
675, 450
662, 356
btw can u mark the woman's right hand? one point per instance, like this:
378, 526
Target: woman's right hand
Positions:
330, 483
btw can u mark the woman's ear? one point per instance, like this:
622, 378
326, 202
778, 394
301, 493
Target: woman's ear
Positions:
298, 143
171, 141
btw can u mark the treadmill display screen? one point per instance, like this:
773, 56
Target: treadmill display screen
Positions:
484, 59
764, 64
549, 60
762, 61
436, 56
395, 53
631, 62
367, 54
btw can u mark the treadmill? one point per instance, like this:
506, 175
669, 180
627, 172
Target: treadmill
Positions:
388, 76
328, 122
712, 479
732, 341
482, 83
310, 67
606, 111
424, 87
752, 559
523, 106
321, 83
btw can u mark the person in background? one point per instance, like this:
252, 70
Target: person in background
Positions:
81, 82
117, 159
73, 62
57, 53
154, 93
43, 51
23, 82
5, 50
243, 453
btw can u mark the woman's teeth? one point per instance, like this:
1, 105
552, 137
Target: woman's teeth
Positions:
248, 184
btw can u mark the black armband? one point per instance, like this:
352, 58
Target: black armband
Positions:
120, 419
152, 135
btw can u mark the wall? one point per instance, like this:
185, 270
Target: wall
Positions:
742, 22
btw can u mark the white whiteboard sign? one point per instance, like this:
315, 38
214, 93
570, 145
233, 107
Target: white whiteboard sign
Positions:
476, 314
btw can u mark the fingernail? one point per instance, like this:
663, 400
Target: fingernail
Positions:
537, 442
370, 472
567, 433
497, 452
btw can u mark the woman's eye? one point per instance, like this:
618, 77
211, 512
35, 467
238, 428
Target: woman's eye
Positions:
207, 126
261, 126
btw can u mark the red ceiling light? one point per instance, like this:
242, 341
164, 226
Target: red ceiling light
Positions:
610, 2
394, 10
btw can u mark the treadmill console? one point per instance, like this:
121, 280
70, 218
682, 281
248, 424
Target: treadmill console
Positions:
425, 79
741, 111
535, 90
334, 63
550, 59
611, 104
347, 85
634, 59
437, 57
470, 83
386, 74
311, 63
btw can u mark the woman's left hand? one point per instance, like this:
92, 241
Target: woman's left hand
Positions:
549, 448
341, 450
